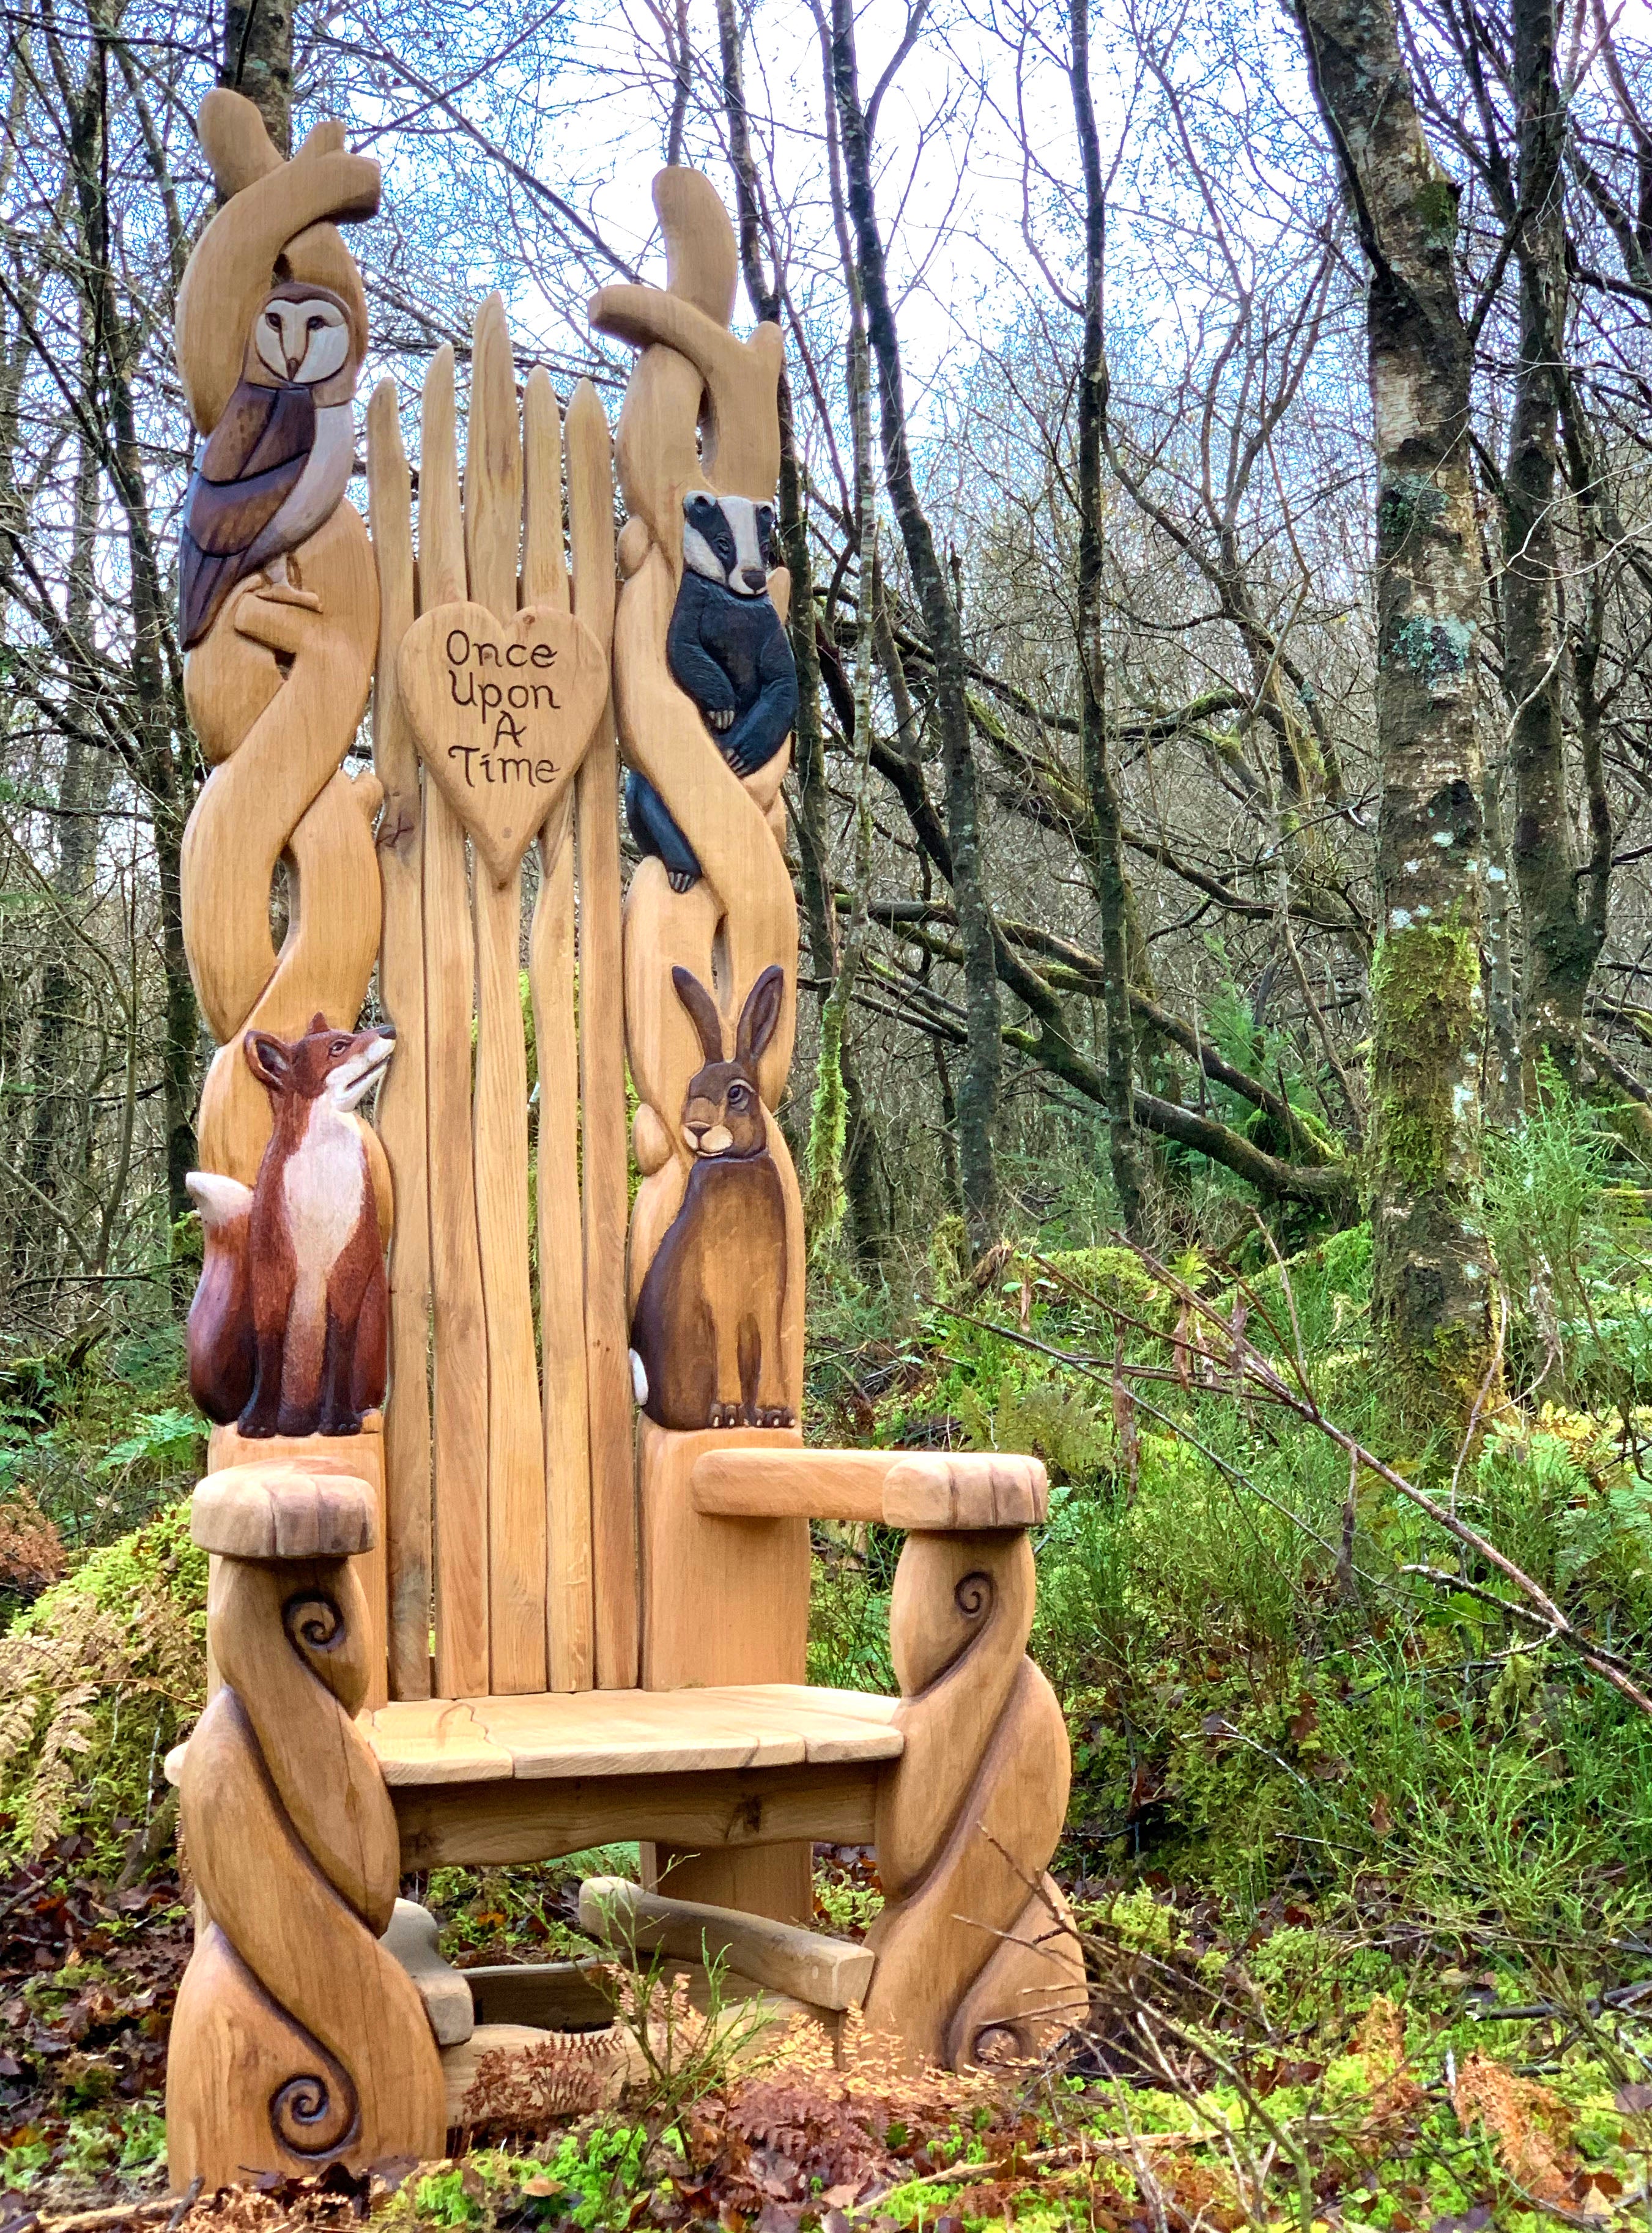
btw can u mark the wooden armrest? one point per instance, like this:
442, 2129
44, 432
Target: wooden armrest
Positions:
286, 1509
927, 1492
829, 1973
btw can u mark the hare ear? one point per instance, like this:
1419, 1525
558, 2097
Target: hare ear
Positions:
760, 1018
702, 1010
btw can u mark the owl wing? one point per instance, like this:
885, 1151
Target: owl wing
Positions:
250, 465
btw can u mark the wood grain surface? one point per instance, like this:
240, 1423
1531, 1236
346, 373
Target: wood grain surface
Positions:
401, 1110
460, 1438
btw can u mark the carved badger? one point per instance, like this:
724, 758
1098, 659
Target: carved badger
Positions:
726, 646
289, 1330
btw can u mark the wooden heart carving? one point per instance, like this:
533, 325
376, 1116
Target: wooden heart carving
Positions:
502, 711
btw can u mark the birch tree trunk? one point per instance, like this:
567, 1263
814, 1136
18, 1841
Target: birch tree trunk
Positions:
258, 61
980, 1075
765, 294
1432, 1269
1563, 913
1112, 883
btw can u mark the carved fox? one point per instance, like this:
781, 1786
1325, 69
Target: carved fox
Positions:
289, 1330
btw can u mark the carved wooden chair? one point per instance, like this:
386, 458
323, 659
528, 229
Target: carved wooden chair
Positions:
503, 1618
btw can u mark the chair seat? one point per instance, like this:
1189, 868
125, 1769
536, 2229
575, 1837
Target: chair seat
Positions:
610, 1732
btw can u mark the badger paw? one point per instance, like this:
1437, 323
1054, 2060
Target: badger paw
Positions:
720, 718
681, 881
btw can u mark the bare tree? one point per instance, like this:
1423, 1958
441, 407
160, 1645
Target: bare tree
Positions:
1432, 1270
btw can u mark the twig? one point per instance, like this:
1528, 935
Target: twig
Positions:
123, 2213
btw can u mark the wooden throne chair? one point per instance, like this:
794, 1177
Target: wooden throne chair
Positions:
552, 1590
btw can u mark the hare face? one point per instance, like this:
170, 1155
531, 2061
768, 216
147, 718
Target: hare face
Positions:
723, 1115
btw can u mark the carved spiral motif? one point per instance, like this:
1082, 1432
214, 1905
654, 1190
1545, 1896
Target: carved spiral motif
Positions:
974, 1596
298, 2040
314, 1622
304, 2119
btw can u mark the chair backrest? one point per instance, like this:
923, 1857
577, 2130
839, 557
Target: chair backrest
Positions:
527, 1544
509, 1492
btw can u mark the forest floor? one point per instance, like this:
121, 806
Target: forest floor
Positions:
1359, 1850
1336, 2070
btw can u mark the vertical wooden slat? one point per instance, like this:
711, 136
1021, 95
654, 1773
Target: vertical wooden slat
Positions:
460, 1439
551, 972
400, 1111
516, 1455
544, 567
601, 1057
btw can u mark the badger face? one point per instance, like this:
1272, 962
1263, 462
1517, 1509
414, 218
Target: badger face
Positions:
726, 539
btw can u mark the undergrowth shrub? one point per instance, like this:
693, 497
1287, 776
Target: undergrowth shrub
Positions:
1572, 1250
1267, 1693
97, 1434
97, 1678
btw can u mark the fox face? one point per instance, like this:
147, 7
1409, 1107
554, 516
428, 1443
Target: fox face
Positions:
340, 1067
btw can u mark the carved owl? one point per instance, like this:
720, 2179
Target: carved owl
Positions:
278, 461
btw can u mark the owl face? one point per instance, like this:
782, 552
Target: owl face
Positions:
302, 336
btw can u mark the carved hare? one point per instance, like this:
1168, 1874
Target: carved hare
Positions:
705, 1335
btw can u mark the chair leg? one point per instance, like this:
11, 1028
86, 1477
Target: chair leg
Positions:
971, 1964
298, 2040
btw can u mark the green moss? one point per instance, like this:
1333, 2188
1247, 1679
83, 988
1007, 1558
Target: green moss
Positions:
160, 1558
1425, 993
1436, 205
823, 1195
1113, 1274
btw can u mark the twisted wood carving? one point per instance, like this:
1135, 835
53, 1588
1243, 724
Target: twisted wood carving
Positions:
297, 2040
973, 1962
280, 608
706, 920
704, 694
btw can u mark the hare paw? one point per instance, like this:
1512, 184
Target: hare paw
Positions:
725, 1415
776, 1414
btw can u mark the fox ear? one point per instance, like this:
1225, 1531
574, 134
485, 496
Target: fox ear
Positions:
318, 1023
702, 1010
760, 1018
267, 1059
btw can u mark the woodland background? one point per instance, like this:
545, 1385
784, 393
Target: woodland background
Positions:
1218, 492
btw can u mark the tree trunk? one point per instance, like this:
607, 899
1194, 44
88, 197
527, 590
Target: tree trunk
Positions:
258, 61
807, 736
53, 1099
1432, 1268
1562, 914
1107, 867
158, 750
980, 1074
